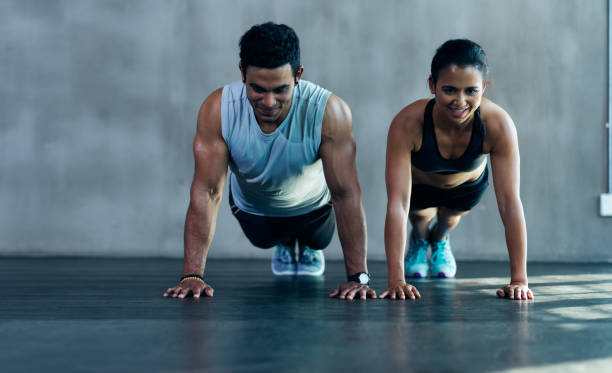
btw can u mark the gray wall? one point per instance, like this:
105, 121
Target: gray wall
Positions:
98, 101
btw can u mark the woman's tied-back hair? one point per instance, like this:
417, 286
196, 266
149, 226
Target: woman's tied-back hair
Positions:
270, 45
460, 52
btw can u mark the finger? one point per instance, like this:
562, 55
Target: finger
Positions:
344, 292
500, 293
209, 291
508, 292
401, 294
523, 294
371, 293
517, 293
196, 292
530, 295
352, 292
408, 292
334, 293
392, 294
416, 293
397, 294
167, 292
184, 293
363, 294
176, 291
384, 294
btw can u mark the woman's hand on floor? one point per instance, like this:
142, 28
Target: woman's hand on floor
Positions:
401, 290
516, 291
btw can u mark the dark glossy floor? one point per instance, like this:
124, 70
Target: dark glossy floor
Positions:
108, 315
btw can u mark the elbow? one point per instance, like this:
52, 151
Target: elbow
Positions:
202, 196
397, 209
342, 195
509, 207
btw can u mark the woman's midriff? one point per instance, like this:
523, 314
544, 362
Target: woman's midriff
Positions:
446, 181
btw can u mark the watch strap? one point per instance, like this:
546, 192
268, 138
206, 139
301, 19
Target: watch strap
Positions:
359, 278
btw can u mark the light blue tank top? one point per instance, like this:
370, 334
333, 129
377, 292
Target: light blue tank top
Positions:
276, 174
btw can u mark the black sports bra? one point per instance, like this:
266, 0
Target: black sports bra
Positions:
429, 159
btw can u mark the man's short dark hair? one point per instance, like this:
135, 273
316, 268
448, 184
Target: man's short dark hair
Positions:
270, 45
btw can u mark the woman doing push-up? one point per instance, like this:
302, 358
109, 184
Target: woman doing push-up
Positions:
437, 168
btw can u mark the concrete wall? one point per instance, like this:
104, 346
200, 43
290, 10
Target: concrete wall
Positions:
98, 102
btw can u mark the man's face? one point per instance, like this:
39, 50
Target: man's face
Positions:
270, 92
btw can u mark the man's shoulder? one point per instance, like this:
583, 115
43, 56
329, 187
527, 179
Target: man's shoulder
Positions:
210, 111
212, 107
311, 92
337, 117
234, 89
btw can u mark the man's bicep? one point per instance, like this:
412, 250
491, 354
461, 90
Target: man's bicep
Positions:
209, 148
338, 157
338, 147
211, 158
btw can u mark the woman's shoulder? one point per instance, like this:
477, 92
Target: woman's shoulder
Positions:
493, 114
411, 117
407, 127
497, 122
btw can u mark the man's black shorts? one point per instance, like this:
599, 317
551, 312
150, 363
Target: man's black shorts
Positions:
314, 229
463, 197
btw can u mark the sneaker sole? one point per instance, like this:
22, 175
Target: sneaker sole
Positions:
305, 273
415, 275
284, 273
281, 273
308, 273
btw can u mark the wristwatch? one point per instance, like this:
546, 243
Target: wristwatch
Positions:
362, 278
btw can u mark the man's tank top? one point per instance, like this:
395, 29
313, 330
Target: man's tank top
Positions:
276, 174
429, 159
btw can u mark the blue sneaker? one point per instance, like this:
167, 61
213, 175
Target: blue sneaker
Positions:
415, 263
442, 260
283, 260
311, 262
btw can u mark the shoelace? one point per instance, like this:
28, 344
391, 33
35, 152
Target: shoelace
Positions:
440, 254
421, 255
285, 256
308, 256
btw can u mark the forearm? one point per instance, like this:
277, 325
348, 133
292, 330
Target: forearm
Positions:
395, 241
350, 219
516, 241
199, 231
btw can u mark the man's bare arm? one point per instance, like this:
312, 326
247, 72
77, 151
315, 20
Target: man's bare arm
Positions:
337, 152
211, 158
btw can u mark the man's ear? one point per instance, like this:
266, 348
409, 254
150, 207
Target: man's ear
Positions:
298, 76
242, 73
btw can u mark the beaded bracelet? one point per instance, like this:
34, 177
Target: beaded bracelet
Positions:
191, 277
